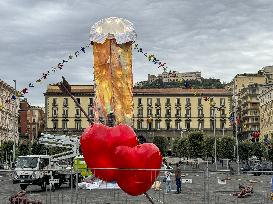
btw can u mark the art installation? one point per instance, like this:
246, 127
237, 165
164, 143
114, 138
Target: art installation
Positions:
113, 153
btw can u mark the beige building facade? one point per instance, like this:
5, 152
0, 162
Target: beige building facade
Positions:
8, 113
174, 76
171, 109
242, 81
248, 107
266, 111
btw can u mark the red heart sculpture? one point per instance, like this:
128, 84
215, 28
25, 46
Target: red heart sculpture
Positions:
98, 144
144, 156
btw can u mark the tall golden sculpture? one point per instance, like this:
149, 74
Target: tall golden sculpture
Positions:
112, 51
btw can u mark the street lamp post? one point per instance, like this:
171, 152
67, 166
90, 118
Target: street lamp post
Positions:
214, 134
14, 121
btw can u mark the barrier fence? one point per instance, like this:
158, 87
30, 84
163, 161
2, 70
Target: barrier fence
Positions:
198, 187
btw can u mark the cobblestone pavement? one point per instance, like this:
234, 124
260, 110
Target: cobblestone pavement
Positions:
201, 190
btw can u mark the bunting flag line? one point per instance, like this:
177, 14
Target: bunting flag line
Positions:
53, 69
151, 57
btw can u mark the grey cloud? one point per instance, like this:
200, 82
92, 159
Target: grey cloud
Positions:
219, 38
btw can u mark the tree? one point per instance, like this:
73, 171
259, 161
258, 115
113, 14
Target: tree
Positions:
24, 148
208, 147
195, 144
6, 150
183, 147
226, 147
245, 150
161, 143
37, 148
258, 150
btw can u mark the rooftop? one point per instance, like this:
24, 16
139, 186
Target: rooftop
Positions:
152, 91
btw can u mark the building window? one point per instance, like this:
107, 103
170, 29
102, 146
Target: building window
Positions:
149, 112
139, 125
54, 112
212, 110
78, 100
200, 113
222, 101
78, 112
78, 125
54, 102
188, 125
65, 125
188, 113
158, 101
178, 112
178, 101
200, 125
65, 112
223, 113
177, 125
139, 101
65, 102
168, 101
199, 101
91, 112
55, 125
158, 112
149, 101
140, 112
168, 112
91, 101
157, 124
188, 101
168, 124
149, 123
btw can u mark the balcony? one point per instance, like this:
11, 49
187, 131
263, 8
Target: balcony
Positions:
177, 105
149, 104
188, 104
168, 115
140, 115
139, 105
54, 104
167, 104
157, 104
65, 115
223, 115
201, 115
178, 115
187, 115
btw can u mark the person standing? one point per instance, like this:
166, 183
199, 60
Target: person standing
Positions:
177, 173
168, 180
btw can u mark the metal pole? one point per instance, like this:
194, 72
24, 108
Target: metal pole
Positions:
14, 122
214, 134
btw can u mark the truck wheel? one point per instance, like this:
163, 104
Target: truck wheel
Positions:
43, 186
23, 186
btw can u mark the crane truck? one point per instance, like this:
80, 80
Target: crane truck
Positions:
43, 170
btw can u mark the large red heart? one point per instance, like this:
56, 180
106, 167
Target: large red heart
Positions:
98, 144
144, 156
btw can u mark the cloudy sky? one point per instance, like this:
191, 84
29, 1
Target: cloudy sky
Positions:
218, 37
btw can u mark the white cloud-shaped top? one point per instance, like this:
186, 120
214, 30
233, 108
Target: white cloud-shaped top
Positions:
122, 29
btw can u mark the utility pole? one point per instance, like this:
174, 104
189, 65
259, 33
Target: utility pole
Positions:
14, 121
214, 134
